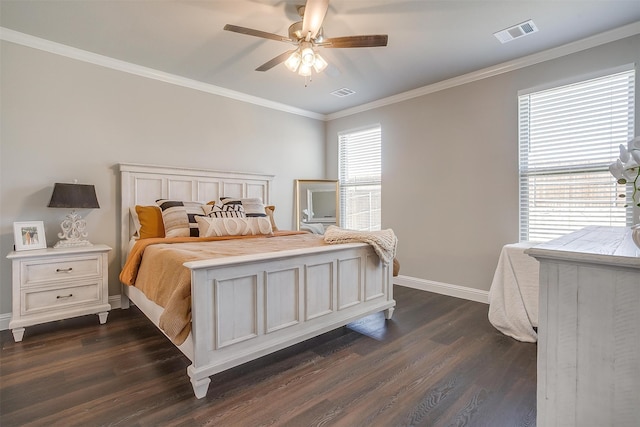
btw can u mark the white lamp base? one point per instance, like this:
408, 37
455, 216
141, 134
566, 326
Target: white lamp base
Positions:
73, 232
72, 244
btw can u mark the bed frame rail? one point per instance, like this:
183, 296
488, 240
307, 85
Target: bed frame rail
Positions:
247, 309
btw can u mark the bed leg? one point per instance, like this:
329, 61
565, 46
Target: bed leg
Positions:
124, 301
102, 316
200, 386
388, 313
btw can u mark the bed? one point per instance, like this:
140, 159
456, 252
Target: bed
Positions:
247, 306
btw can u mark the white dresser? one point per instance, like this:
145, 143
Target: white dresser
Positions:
54, 284
589, 329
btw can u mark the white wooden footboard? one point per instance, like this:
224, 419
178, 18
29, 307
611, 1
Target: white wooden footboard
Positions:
246, 307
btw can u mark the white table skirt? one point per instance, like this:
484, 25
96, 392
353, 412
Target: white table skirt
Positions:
513, 297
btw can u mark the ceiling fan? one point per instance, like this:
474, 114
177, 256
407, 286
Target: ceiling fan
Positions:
308, 35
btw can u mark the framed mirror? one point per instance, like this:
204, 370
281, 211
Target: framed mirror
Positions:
317, 204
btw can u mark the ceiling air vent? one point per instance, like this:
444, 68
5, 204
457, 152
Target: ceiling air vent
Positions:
517, 31
341, 93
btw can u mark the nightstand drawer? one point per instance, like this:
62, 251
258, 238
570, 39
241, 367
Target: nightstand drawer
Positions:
51, 299
36, 272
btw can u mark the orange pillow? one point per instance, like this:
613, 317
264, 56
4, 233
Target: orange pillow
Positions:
151, 224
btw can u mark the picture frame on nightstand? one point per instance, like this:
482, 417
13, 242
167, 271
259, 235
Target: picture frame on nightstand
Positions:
29, 235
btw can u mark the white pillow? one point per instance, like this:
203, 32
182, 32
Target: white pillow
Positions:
252, 226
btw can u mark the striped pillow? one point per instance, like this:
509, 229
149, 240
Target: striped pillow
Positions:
225, 211
253, 207
179, 217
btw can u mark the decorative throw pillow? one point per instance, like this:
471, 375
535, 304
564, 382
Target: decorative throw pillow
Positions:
269, 211
225, 211
396, 267
253, 207
233, 226
150, 220
179, 218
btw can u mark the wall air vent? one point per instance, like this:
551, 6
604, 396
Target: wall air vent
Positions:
517, 31
341, 93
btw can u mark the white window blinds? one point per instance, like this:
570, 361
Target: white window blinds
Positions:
360, 176
568, 136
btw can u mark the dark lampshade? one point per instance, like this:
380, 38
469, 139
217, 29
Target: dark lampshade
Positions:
73, 196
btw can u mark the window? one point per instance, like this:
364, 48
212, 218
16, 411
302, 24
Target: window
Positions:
568, 136
360, 175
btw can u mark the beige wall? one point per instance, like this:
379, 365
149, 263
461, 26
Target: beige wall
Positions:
450, 166
450, 179
64, 119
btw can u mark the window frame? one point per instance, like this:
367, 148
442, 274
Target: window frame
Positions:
526, 172
370, 188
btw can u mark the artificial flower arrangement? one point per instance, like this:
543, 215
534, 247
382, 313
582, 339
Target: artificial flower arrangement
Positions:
626, 169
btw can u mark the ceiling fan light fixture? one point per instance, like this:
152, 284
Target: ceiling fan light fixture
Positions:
308, 56
307, 35
305, 70
293, 62
305, 59
319, 64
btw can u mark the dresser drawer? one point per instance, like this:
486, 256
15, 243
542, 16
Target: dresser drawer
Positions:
35, 272
37, 300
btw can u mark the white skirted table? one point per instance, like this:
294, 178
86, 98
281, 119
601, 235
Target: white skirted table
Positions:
589, 329
513, 297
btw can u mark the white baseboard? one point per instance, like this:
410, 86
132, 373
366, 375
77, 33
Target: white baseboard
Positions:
463, 292
115, 301
410, 282
5, 318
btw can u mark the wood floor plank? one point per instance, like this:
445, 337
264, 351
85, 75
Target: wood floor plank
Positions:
438, 362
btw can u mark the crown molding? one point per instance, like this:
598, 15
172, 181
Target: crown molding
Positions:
27, 40
505, 67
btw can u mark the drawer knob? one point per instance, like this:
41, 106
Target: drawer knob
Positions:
64, 270
64, 296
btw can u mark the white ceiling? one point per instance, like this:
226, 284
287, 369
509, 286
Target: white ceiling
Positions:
429, 41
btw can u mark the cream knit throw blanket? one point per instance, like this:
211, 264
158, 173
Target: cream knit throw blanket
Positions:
384, 242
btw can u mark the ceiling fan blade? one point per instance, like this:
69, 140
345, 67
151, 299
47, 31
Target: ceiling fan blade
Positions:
356, 41
275, 61
314, 13
256, 33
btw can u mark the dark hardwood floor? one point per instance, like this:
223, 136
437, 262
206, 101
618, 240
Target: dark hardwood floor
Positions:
438, 362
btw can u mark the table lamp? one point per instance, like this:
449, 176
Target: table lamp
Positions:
73, 196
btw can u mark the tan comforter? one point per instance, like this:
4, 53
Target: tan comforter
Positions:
155, 266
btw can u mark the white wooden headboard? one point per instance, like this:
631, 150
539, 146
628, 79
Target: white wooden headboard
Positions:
144, 184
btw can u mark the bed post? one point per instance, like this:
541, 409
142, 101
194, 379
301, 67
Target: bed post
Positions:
126, 197
124, 298
388, 275
200, 386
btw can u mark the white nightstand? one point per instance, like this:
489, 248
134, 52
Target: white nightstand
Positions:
54, 284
